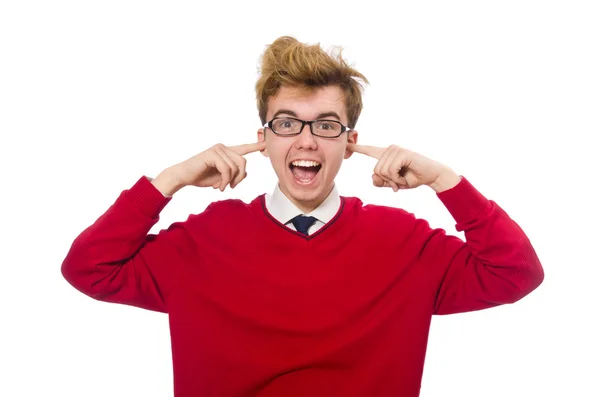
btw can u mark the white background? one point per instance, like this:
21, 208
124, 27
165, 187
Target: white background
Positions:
94, 95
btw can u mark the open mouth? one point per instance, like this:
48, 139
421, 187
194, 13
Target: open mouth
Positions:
305, 171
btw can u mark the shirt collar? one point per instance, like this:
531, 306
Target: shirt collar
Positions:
282, 209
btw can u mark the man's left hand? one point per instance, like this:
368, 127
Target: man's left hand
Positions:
400, 168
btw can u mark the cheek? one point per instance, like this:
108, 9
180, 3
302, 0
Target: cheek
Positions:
335, 153
277, 150
335, 156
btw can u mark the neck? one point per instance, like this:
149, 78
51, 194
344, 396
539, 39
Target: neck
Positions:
308, 206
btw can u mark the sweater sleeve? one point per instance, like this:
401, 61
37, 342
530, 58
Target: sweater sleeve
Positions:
496, 265
116, 260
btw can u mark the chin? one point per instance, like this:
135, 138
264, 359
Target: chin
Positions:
307, 197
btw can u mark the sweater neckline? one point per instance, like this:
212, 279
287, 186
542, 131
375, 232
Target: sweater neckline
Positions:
322, 230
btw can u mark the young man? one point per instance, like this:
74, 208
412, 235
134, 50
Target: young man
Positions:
264, 301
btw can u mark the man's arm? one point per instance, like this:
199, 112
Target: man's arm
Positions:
116, 260
496, 265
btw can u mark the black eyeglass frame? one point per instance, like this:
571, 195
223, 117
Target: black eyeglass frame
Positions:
269, 124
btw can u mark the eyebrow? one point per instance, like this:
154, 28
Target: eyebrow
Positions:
293, 114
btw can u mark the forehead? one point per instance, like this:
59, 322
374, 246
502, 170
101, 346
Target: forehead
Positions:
308, 103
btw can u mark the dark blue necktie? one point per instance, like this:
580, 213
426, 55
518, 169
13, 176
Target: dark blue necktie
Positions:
302, 223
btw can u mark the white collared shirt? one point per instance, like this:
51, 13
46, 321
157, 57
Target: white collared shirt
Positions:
282, 209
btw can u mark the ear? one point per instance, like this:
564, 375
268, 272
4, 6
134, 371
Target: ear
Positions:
352, 138
261, 136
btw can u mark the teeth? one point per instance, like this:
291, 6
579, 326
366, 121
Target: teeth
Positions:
305, 163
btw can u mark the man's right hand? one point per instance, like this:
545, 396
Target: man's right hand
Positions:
218, 167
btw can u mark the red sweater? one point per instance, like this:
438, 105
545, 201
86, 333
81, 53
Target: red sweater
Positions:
256, 309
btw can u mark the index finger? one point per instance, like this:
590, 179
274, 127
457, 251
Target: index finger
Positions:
248, 148
372, 151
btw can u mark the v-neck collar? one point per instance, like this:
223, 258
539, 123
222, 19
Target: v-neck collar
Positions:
277, 222
282, 208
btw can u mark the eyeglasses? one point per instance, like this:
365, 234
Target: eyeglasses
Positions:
289, 126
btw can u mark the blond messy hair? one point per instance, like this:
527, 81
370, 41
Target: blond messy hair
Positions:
289, 62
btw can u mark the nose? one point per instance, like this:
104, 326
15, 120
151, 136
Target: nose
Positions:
306, 140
